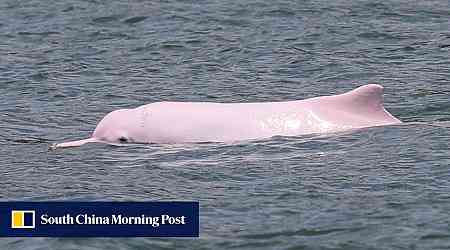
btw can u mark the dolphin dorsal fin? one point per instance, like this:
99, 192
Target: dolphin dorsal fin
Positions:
368, 97
366, 102
363, 104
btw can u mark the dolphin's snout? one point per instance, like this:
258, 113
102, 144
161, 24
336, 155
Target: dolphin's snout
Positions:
73, 143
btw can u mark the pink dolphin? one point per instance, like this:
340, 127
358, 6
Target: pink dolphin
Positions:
180, 122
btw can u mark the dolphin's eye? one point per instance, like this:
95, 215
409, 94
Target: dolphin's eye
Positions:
123, 139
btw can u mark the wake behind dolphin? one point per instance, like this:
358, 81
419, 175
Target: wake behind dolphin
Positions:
190, 122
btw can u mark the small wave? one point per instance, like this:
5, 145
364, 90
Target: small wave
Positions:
135, 19
106, 19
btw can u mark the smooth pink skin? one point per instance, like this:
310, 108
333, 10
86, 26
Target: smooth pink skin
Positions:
185, 122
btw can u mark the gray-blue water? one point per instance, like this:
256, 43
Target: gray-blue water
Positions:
65, 64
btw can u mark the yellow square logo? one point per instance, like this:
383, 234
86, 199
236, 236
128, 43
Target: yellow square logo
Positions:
22, 219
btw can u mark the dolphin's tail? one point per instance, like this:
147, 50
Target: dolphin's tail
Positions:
73, 143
